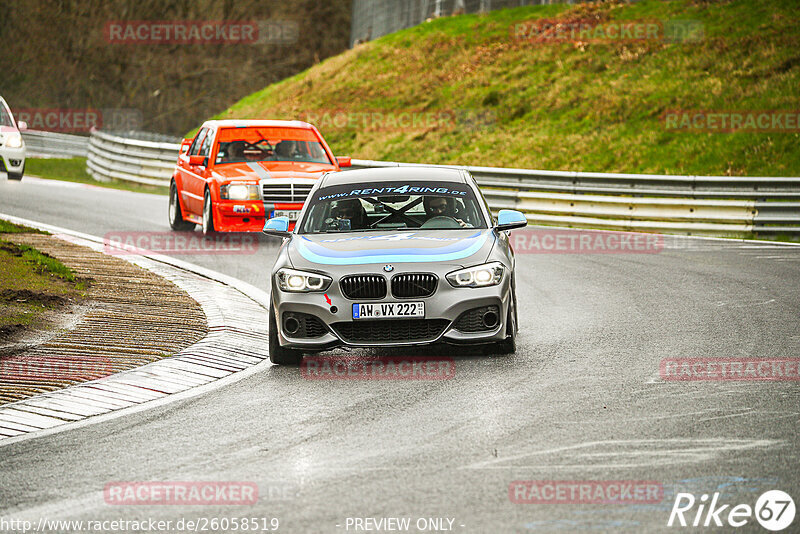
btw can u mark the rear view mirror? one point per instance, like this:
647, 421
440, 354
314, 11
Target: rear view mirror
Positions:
277, 226
344, 161
510, 219
197, 160
396, 199
22, 125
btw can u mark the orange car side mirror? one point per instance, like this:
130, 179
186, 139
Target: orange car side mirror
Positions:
344, 161
197, 160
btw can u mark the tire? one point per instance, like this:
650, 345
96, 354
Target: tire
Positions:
16, 176
208, 215
176, 221
509, 344
277, 354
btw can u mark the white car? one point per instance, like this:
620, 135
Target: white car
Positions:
12, 147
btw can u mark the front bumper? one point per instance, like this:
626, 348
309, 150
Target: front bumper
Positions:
247, 215
444, 308
12, 159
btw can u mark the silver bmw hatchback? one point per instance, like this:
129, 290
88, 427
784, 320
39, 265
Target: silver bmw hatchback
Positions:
393, 257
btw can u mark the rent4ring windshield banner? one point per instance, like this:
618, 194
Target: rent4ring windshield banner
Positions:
395, 188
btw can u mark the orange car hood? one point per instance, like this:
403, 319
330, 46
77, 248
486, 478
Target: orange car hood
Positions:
271, 169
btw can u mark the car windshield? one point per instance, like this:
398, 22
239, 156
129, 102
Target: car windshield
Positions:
244, 145
392, 206
5, 118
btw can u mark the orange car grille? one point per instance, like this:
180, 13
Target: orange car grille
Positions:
286, 192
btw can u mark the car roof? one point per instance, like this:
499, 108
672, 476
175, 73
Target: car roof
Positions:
392, 174
242, 123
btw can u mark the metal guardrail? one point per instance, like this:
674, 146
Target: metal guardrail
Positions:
144, 136
40, 144
374, 18
696, 205
131, 160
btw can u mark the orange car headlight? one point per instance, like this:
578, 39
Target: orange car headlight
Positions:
240, 192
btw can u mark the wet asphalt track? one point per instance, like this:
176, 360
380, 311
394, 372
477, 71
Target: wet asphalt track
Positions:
580, 400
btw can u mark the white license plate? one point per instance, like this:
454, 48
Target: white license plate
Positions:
389, 310
292, 214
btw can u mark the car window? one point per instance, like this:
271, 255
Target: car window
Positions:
392, 206
261, 143
205, 146
5, 117
195, 147
488, 208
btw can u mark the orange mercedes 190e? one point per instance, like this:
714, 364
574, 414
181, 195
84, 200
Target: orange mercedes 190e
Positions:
235, 174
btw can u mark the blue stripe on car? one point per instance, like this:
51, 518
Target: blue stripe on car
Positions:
459, 250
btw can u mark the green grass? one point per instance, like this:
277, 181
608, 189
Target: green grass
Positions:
566, 106
74, 170
11, 228
31, 282
44, 263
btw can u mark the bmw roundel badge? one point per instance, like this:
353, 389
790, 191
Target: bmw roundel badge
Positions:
388, 268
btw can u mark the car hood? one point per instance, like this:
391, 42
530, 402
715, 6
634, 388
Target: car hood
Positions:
265, 170
455, 247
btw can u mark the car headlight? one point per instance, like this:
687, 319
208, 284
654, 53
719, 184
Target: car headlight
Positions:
239, 192
301, 281
14, 140
488, 274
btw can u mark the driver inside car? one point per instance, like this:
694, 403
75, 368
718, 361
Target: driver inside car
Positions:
287, 150
353, 211
443, 207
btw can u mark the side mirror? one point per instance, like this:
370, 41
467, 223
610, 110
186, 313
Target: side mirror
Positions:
510, 219
22, 125
197, 160
344, 161
277, 226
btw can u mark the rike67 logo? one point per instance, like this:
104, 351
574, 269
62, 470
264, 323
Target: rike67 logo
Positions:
774, 510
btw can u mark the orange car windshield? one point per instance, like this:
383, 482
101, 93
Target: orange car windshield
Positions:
244, 145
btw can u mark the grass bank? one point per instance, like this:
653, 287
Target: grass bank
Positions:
483, 96
31, 283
